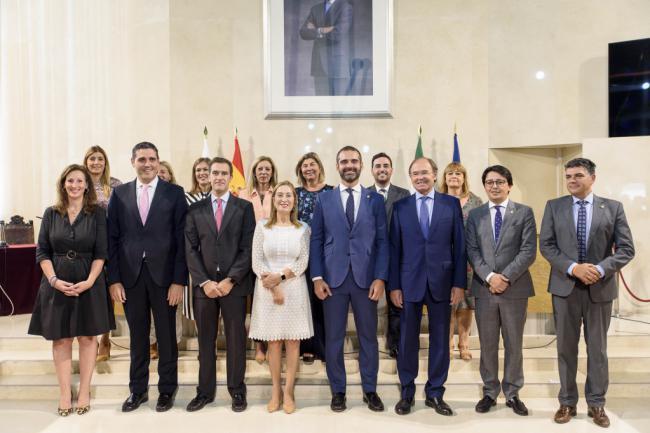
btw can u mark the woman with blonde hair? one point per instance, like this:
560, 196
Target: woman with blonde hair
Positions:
166, 172
455, 183
281, 312
200, 181
311, 178
96, 161
72, 299
262, 180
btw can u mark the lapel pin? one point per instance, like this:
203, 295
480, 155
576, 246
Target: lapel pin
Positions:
368, 196
602, 206
512, 211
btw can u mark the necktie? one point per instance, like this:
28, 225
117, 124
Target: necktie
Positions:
424, 217
143, 204
218, 214
382, 191
328, 5
498, 220
582, 231
349, 207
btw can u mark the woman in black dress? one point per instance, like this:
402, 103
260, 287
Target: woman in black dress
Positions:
72, 299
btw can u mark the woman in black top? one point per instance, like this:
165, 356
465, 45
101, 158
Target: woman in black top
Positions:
72, 299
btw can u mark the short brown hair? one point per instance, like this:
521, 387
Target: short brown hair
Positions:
90, 197
220, 160
273, 219
455, 166
348, 149
305, 157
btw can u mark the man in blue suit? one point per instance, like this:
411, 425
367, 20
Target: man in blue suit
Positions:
428, 267
349, 265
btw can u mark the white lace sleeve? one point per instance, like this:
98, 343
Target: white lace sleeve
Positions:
260, 265
300, 265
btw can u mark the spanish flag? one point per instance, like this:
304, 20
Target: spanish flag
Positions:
238, 180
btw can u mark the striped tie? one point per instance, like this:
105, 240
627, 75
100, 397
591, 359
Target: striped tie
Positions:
582, 231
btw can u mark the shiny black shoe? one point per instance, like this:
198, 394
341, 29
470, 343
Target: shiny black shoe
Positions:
239, 403
165, 401
308, 358
403, 407
517, 406
393, 353
374, 402
134, 401
439, 405
199, 402
485, 404
338, 402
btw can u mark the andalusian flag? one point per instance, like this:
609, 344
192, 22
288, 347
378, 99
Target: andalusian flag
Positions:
238, 180
418, 149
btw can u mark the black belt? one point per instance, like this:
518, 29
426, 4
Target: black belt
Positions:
72, 255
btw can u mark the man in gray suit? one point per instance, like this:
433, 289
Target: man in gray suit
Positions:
586, 239
501, 240
382, 171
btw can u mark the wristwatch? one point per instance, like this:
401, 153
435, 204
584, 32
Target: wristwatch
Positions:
282, 276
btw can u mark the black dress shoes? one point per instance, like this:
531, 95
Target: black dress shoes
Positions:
393, 353
517, 406
403, 407
134, 401
199, 402
338, 402
239, 403
485, 404
374, 402
439, 405
165, 401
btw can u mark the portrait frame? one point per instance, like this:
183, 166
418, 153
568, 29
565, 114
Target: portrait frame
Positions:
278, 105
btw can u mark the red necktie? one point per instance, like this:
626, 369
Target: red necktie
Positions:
218, 214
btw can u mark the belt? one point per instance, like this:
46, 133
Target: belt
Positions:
72, 255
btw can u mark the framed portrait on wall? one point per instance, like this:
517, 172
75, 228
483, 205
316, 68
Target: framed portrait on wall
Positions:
328, 58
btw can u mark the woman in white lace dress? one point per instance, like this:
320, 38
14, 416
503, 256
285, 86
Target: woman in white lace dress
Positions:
281, 310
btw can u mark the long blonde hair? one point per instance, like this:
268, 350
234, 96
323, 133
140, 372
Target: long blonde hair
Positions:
90, 197
105, 178
196, 188
168, 166
293, 217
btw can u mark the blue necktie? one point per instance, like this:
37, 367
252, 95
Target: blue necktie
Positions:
582, 231
328, 5
424, 217
349, 207
498, 220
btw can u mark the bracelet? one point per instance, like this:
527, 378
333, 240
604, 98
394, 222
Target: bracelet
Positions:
52, 280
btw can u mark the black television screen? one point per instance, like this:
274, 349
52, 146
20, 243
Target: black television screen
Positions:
629, 88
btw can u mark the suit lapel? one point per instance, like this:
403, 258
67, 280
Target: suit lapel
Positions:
435, 215
210, 221
413, 212
132, 197
364, 206
339, 206
566, 214
231, 210
486, 225
596, 218
509, 214
157, 197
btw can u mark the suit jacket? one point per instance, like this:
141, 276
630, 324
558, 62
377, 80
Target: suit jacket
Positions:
436, 263
216, 256
394, 193
331, 53
609, 245
511, 256
335, 246
161, 238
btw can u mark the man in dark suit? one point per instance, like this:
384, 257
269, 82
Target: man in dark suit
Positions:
348, 259
147, 271
428, 267
382, 171
328, 25
587, 240
218, 242
501, 239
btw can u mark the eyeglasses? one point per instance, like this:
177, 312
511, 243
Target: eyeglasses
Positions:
499, 182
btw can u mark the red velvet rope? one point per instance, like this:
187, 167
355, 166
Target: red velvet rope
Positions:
630, 291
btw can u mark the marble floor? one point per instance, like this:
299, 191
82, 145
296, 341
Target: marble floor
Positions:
627, 415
